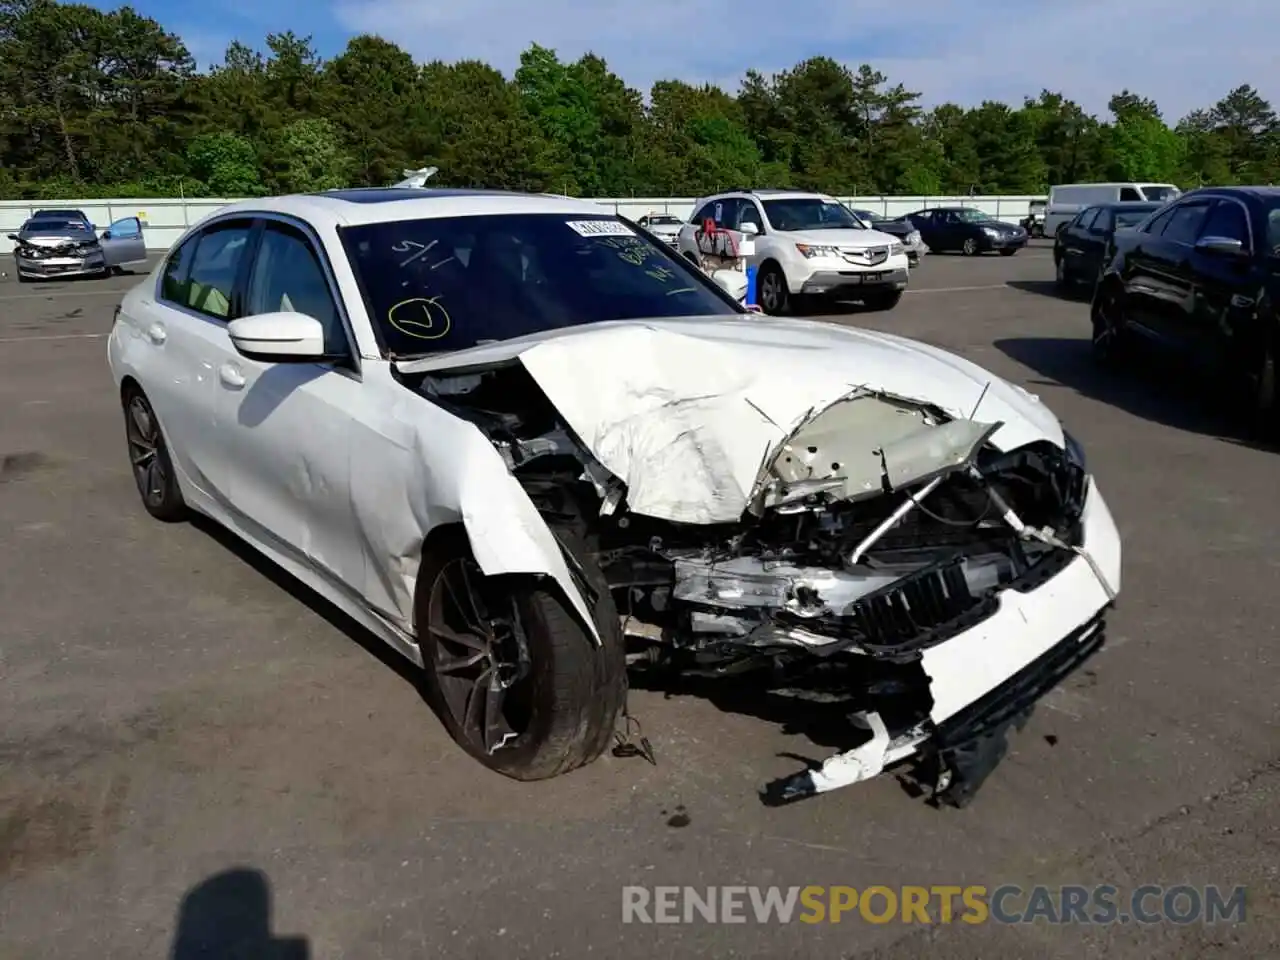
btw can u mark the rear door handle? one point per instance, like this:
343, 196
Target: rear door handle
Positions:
231, 376
156, 333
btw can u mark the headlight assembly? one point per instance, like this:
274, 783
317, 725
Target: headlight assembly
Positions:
1075, 451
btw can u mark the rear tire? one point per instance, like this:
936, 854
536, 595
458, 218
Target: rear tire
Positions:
882, 300
556, 715
149, 459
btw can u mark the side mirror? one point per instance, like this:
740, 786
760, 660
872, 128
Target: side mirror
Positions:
1221, 246
106, 234
14, 237
278, 337
750, 229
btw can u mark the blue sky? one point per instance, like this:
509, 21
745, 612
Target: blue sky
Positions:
1184, 53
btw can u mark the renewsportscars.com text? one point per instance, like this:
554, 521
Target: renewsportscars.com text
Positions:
1009, 904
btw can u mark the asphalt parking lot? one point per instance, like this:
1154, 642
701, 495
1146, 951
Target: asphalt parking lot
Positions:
190, 745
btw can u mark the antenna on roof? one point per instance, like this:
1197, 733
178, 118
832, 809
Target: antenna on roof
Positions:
417, 178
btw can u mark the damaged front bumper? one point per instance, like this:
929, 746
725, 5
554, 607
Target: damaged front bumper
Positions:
889, 564
984, 681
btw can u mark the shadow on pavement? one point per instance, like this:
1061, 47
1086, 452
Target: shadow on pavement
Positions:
279, 577
228, 917
1158, 388
1079, 293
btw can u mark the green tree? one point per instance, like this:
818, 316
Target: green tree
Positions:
226, 163
309, 156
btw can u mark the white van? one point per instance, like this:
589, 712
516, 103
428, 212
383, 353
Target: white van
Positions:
1068, 199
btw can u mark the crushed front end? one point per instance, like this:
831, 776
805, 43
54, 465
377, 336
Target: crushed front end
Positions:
892, 567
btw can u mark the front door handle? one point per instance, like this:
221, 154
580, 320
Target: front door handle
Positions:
231, 376
156, 333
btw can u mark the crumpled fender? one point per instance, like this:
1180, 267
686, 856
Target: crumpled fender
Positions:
405, 485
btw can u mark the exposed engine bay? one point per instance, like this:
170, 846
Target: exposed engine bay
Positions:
879, 529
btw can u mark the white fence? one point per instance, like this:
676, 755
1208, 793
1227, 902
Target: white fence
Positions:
165, 219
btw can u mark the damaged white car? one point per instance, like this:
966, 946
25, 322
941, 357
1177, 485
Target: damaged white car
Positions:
529, 447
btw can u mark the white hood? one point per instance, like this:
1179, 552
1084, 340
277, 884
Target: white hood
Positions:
857, 238
685, 411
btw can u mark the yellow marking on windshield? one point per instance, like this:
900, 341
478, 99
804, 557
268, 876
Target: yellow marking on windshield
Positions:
420, 318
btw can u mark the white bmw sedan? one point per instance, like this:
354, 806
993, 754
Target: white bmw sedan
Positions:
528, 446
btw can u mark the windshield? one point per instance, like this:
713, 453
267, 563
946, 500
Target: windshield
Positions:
57, 215
449, 283
665, 221
49, 225
810, 213
1163, 194
1273, 231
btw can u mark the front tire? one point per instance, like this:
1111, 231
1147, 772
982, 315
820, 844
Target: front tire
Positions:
970, 247
518, 681
772, 292
1110, 341
1008, 253
1062, 276
153, 472
1265, 406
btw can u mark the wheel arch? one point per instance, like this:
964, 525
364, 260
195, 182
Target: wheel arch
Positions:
445, 537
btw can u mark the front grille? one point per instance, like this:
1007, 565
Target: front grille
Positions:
909, 615
914, 608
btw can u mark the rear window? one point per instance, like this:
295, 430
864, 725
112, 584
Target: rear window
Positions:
1161, 194
441, 284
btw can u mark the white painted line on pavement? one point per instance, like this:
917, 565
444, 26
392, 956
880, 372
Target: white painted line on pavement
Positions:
60, 336
985, 286
59, 294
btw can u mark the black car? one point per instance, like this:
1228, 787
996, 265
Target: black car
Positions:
901, 228
1201, 276
967, 230
1084, 245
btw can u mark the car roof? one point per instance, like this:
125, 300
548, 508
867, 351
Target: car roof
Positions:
387, 204
1128, 205
770, 193
1266, 194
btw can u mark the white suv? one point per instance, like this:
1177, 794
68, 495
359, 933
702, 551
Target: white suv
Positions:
805, 244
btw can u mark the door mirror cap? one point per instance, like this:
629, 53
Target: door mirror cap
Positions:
278, 337
1222, 246
750, 229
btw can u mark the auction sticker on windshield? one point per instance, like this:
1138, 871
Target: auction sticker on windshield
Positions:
600, 228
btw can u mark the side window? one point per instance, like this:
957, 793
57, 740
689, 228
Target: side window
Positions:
213, 268
287, 278
1184, 226
750, 213
1156, 226
1085, 220
1228, 219
708, 212
173, 283
1103, 222
727, 212
1130, 193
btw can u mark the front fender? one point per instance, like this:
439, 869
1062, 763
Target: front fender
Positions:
421, 468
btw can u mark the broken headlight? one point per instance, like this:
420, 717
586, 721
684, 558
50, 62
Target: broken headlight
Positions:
1075, 452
